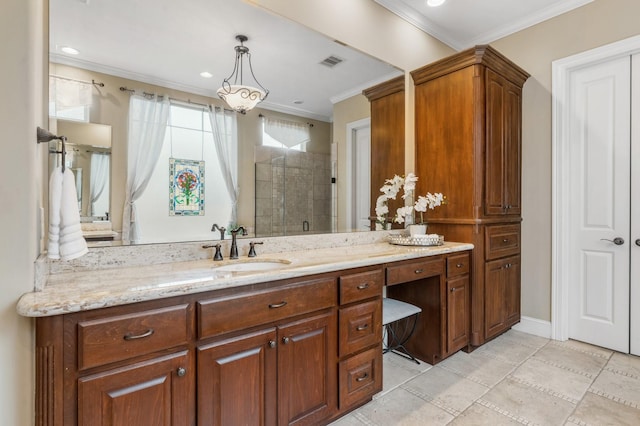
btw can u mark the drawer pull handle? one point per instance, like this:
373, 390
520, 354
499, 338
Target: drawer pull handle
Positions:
459, 265
362, 327
362, 378
277, 305
272, 343
181, 372
130, 336
419, 271
363, 286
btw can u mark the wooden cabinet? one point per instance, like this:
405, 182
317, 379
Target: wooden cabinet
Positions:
387, 102
360, 337
440, 287
468, 122
159, 391
502, 278
237, 381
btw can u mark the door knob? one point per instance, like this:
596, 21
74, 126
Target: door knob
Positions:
617, 241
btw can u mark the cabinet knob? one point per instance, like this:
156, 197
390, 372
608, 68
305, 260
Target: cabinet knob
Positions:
181, 371
363, 286
285, 340
505, 240
272, 343
458, 265
453, 289
419, 271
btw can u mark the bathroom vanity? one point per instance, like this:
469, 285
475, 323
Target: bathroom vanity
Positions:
190, 343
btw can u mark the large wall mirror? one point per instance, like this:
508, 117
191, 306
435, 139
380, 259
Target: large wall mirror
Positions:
182, 51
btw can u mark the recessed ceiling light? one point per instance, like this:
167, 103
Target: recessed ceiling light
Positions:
206, 74
435, 3
69, 50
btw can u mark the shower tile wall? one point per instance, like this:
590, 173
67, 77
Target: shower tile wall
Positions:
292, 188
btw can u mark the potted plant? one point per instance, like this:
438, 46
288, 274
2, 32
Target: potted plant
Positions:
405, 214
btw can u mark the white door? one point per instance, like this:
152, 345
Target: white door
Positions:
362, 181
600, 185
634, 241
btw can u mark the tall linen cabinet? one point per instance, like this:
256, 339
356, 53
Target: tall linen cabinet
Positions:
468, 146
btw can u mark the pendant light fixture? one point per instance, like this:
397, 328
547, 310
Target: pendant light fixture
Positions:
239, 96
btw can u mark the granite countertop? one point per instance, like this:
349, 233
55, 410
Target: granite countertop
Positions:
79, 291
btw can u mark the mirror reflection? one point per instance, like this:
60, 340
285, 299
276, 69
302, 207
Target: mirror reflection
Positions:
270, 181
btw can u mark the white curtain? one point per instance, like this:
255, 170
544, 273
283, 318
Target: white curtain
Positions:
66, 93
98, 178
225, 138
287, 132
147, 126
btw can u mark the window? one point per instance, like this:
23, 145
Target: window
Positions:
285, 134
69, 99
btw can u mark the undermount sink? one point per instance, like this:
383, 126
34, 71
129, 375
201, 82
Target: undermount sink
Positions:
253, 265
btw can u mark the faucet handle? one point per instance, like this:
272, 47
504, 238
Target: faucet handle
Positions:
252, 249
218, 253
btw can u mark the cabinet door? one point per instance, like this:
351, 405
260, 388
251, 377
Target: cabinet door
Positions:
512, 291
457, 313
307, 364
502, 295
157, 392
503, 147
237, 380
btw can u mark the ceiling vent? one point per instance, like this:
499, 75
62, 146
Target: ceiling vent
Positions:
331, 61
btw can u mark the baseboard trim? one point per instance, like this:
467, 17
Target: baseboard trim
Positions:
534, 326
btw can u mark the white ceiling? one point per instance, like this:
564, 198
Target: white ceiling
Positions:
170, 42
465, 23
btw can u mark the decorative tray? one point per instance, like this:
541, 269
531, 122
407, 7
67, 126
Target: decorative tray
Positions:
420, 240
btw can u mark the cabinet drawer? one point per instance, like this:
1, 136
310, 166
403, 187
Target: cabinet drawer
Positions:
501, 241
360, 286
360, 377
415, 270
102, 341
244, 310
360, 326
458, 265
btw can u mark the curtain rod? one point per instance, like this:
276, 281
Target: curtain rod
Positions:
188, 101
92, 82
264, 116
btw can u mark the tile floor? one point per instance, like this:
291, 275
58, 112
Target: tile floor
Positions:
515, 379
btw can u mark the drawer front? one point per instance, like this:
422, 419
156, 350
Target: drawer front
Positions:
221, 315
458, 265
360, 326
360, 377
501, 241
117, 338
415, 270
360, 286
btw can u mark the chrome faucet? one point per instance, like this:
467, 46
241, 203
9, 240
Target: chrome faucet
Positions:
219, 228
234, 246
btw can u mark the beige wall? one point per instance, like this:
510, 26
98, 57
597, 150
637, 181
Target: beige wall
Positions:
111, 106
22, 53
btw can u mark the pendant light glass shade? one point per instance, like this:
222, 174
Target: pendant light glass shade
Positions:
239, 96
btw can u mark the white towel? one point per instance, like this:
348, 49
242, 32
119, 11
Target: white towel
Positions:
72, 243
65, 233
55, 198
